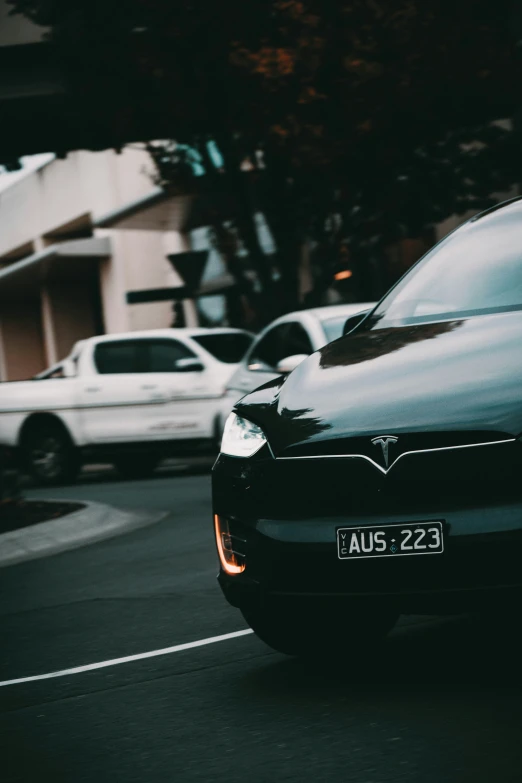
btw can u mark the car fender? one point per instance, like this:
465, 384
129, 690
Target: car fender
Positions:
21, 401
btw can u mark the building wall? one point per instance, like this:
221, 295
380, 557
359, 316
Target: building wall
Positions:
146, 266
22, 340
73, 315
15, 29
3, 365
138, 262
112, 286
84, 183
61, 199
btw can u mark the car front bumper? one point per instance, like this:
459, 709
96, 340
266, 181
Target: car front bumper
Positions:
284, 519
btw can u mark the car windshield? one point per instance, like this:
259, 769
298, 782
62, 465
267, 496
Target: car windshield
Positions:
475, 270
333, 327
226, 347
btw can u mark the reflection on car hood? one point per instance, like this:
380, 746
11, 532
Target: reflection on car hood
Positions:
453, 376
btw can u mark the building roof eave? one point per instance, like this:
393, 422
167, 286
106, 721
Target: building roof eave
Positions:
157, 211
36, 268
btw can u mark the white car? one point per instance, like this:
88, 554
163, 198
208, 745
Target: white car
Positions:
130, 399
284, 343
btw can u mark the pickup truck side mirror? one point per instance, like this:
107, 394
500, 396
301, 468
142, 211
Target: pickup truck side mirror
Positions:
289, 363
68, 368
188, 365
353, 321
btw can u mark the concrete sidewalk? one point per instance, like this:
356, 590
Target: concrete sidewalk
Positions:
93, 523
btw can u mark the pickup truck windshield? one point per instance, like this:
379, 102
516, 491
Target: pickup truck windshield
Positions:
229, 348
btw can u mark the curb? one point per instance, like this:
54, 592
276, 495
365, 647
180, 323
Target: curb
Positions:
93, 523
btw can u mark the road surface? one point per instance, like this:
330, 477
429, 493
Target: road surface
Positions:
440, 704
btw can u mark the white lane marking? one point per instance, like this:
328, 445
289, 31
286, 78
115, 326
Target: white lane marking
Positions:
128, 658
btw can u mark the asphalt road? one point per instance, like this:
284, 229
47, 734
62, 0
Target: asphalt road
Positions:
440, 703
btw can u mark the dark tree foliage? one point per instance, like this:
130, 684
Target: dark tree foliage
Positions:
363, 121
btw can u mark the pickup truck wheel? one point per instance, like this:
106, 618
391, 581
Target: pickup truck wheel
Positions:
136, 467
49, 455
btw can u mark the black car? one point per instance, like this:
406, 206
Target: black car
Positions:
384, 475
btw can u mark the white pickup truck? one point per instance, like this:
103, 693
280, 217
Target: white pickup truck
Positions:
130, 399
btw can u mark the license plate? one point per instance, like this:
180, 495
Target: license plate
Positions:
417, 538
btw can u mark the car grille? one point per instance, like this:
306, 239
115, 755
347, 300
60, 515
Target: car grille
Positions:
407, 443
425, 481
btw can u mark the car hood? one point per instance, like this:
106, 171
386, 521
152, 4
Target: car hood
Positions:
459, 376
226, 371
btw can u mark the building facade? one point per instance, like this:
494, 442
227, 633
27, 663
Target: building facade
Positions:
76, 236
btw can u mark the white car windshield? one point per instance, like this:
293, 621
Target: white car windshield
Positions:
228, 347
333, 327
476, 270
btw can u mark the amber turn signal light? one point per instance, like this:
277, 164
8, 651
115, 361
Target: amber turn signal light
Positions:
231, 562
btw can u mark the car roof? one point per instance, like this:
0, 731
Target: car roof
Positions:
333, 311
328, 311
172, 332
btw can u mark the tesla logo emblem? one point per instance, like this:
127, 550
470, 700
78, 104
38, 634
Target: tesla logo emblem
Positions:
384, 442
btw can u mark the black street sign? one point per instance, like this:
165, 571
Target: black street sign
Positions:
190, 266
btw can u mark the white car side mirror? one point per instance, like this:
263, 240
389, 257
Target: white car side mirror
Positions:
289, 364
256, 365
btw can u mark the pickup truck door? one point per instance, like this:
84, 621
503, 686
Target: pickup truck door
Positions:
117, 404
188, 384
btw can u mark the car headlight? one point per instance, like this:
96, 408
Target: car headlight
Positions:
241, 438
